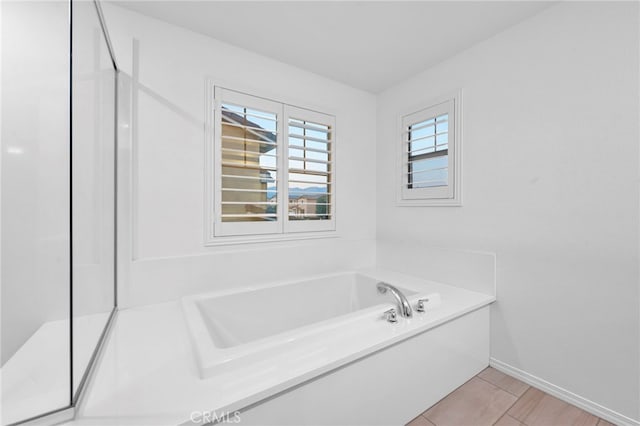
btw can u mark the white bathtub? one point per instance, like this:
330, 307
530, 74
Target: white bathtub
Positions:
268, 338
229, 329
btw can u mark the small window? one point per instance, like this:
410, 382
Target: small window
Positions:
430, 156
273, 167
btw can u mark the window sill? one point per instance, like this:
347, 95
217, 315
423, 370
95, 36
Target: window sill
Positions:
273, 238
435, 202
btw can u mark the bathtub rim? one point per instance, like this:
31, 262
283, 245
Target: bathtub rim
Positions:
279, 387
208, 356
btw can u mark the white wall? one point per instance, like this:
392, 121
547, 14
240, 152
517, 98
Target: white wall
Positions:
550, 185
164, 251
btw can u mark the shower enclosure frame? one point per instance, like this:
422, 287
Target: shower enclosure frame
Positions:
76, 393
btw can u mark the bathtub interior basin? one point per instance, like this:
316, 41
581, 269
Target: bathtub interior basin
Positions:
247, 316
303, 321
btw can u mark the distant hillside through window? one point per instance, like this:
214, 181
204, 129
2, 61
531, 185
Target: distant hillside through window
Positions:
296, 192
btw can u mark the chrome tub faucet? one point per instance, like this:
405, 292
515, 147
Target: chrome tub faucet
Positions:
403, 304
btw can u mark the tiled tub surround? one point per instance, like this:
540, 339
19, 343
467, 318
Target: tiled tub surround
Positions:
149, 371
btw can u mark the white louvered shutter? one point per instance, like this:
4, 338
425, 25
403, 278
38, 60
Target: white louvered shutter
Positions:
310, 166
248, 171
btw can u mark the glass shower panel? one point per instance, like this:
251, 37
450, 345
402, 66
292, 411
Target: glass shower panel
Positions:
35, 259
93, 189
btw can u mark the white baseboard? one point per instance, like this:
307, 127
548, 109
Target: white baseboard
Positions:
563, 394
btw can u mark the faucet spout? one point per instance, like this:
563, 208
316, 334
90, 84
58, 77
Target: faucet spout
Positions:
403, 304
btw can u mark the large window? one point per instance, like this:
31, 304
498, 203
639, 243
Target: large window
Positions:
272, 167
430, 155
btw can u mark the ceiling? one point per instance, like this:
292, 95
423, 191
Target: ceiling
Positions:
370, 45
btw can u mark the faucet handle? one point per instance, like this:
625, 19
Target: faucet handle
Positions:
391, 315
420, 307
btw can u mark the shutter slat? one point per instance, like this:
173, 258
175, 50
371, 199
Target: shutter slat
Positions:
431, 135
309, 172
417, 151
271, 180
435, 169
251, 112
308, 182
248, 166
428, 181
241, 139
317, 204
301, 195
247, 203
310, 160
249, 153
306, 148
300, 124
309, 138
435, 155
413, 128
240, 215
227, 188
255, 129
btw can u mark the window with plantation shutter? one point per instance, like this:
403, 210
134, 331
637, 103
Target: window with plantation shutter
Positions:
430, 156
272, 167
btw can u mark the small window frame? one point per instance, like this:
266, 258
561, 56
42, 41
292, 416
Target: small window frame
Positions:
447, 195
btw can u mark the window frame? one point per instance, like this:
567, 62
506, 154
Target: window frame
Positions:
450, 194
222, 233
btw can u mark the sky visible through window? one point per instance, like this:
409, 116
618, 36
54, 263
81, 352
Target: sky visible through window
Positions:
428, 153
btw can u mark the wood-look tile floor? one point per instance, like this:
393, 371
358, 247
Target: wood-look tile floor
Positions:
494, 398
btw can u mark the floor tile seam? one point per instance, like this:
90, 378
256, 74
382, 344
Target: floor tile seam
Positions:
445, 397
506, 413
503, 389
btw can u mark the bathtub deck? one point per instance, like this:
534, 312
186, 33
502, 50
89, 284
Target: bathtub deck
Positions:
494, 398
148, 374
